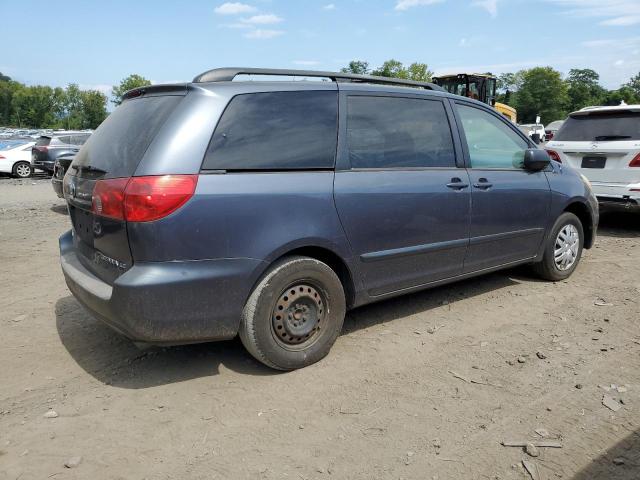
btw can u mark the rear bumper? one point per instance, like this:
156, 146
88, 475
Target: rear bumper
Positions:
165, 302
47, 166
57, 186
617, 195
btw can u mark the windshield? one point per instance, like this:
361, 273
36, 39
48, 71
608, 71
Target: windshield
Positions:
600, 127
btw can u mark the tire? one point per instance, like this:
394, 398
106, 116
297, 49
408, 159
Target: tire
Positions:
311, 299
22, 170
549, 268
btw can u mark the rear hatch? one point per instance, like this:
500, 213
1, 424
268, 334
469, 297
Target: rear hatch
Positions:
602, 145
113, 152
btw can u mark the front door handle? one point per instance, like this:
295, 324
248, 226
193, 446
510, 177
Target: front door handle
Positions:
457, 184
483, 184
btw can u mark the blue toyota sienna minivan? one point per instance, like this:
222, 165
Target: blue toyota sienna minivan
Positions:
268, 208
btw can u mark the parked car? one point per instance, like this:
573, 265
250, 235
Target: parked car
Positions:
50, 147
14, 158
531, 129
603, 144
551, 129
215, 208
59, 169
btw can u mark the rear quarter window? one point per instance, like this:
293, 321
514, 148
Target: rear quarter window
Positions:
276, 131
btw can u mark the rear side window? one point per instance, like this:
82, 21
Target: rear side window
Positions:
600, 127
43, 141
276, 131
391, 132
119, 143
79, 139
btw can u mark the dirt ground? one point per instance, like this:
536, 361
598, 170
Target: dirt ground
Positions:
421, 387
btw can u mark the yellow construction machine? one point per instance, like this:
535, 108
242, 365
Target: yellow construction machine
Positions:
479, 86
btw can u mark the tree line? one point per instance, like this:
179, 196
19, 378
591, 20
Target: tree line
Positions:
536, 91
70, 108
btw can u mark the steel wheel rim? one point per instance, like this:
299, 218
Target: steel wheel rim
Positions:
23, 170
566, 248
298, 315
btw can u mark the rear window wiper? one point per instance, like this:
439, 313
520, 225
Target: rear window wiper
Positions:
88, 168
611, 137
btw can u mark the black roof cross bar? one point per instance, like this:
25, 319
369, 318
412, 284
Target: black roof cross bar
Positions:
228, 74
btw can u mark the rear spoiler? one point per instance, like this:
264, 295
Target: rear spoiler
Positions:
156, 90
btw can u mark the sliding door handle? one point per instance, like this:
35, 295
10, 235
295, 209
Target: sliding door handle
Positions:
483, 184
457, 184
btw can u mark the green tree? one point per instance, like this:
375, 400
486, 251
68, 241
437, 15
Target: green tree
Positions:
7, 90
419, 72
32, 106
544, 93
507, 85
4, 78
624, 94
357, 67
634, 84
392, 69
94, 108
126, 84
584, 89
395, 69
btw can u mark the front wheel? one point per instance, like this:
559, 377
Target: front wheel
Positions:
22, 170
294, 314
563, 249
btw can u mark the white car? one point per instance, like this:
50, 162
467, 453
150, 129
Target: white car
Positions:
531, 128
603, 143
15, 158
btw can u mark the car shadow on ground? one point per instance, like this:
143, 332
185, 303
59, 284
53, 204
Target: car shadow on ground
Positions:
113, 359
620, 462
619, 224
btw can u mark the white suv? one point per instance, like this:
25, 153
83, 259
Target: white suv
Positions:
603, 143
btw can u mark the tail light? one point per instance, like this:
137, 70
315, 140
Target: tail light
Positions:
635, 162
2, 157
554, 156
142, 199
549, 135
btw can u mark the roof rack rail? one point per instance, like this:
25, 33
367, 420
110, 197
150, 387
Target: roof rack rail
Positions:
228, 74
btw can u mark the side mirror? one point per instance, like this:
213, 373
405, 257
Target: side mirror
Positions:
536, 159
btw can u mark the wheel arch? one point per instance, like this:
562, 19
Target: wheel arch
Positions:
323, 254
581, 210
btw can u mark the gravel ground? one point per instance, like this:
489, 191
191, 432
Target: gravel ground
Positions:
425, 386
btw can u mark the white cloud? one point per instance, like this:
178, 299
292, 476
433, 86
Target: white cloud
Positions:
330, 6
490, 6
234, 8
618, 63
264, 19
407, 4
307, 63
260, 34
463, 42
617, 13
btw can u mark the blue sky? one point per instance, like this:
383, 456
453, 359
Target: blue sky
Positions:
97, 44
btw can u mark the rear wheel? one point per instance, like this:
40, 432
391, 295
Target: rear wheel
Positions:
22, 170
294, 314
563, 250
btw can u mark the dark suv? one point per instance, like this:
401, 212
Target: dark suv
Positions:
48, 148
267, 209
